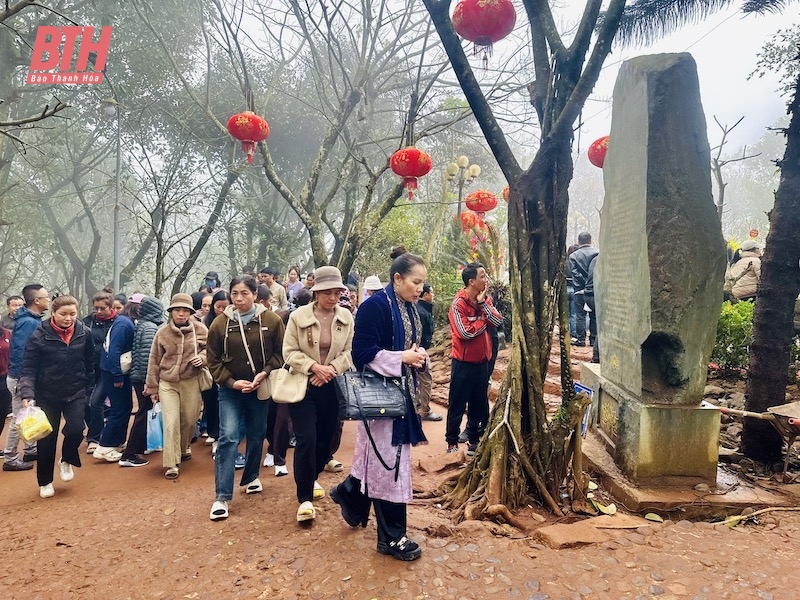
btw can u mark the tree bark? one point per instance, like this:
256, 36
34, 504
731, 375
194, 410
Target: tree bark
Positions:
774, 310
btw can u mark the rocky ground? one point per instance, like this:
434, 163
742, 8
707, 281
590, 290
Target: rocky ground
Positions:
130, 533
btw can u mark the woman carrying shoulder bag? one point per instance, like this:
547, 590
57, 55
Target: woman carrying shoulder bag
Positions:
318, 342
244, 345
176, 357
387, 336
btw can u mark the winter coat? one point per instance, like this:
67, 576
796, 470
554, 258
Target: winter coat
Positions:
25, 323
302, 353
173, 348
589, 289
98, 330
5, 347
468, 328
120, 341
226, 356
151, 316
578, 263
425, 311
745, 275
53, 371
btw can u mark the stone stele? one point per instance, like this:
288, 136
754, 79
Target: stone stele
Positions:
658, 285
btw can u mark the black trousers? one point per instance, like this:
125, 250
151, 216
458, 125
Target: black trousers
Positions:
5, 403
73, 413
315, 419
278, 431
211, 411
469, 385
391, 516
137, 437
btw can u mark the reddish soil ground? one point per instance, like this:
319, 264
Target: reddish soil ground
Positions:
129, 533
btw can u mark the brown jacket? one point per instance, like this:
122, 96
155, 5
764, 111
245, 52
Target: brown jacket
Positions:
173, 347
227, 358
301, 344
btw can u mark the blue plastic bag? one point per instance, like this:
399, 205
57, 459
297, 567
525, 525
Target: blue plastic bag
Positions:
155, 429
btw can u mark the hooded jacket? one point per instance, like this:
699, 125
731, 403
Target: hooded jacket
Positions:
225, 352
54, 371
151, 316
25, 323
172, 349
746, 271
120, 340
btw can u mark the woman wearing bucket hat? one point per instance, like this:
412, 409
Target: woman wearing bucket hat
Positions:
318, 342
176, 357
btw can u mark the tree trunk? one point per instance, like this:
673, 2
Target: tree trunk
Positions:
778, 287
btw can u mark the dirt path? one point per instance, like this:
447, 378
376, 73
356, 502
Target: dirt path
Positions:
129, 533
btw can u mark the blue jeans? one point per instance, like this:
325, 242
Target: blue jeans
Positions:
573, 320
235, 409
116, 428
95, 410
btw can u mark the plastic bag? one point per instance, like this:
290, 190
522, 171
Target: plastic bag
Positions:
32, 424
155, 429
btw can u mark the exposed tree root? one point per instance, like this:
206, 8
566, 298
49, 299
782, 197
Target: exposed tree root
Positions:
501, 510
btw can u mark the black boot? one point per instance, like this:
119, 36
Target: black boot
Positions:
355, 505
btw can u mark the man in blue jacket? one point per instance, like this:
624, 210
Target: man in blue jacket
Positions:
27, 320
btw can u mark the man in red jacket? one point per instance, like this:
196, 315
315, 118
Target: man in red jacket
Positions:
470, 314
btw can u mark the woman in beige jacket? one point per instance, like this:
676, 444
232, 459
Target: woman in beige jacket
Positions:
176, 357
318, 342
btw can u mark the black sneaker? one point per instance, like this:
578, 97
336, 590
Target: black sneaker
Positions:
347, 514
17, 465
293, 442
472, 449
133, 461
32, 457
402, 549
462, 437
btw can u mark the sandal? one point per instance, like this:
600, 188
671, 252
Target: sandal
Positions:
172, 473
306, 512
334, 466
219, 510
319, 491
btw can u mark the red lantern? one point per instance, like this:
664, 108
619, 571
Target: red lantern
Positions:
248, 128
410, 163
506, 192
753, 233
481, 201
484, 22
597, 151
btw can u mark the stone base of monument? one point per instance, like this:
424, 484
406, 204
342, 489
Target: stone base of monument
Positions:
654, 444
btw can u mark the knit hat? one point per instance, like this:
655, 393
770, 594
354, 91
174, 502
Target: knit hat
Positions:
749, 245
373, 283
181, 301
327, 278
136, 298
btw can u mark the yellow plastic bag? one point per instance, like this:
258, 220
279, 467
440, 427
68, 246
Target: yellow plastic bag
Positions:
32, 424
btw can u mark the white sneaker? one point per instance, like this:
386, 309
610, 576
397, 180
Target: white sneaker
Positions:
65, 471
107, 454
269, 460
219, 510
209, 441
254, 487
46, 491
281, 470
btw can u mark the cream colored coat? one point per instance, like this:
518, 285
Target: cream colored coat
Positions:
301, 353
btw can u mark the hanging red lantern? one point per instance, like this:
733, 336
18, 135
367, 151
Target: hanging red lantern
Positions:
506, 192
248, 128
753, 233
484, 22
410, 163
597, 151
481, 201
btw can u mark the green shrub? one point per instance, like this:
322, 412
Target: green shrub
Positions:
734, 332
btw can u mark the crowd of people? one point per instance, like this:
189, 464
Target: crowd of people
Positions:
206, 364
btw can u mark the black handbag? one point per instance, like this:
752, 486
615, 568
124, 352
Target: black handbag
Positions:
368, 395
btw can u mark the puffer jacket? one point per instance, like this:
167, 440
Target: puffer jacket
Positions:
173, 348
98, 330
151, 317
745, 275
25, 323
120, 338
301, 342
227, 359
53, 371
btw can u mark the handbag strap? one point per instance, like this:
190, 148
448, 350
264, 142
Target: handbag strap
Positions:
247, 346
